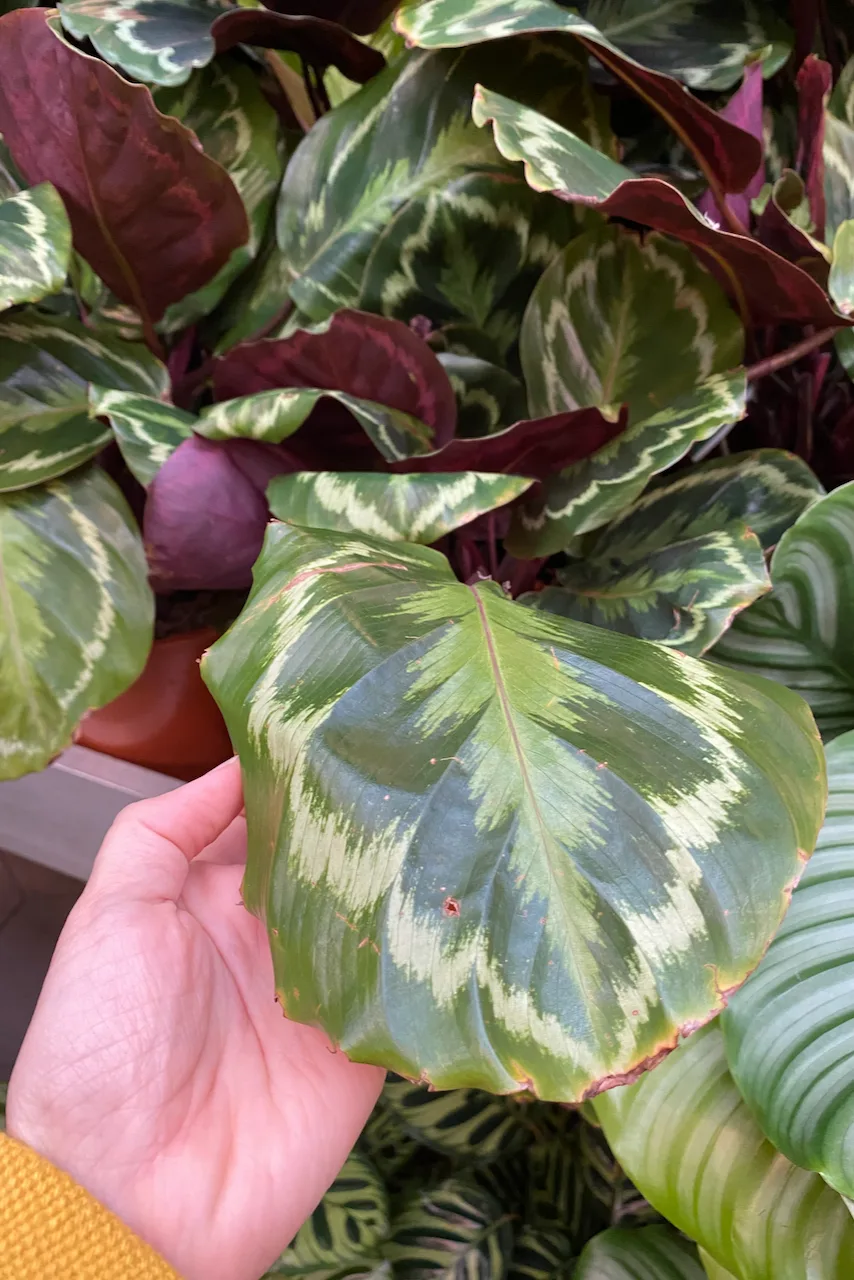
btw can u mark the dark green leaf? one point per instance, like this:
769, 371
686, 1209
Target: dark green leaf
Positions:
467, 1123
457, 1232
540, 1254
800, 633
686, 1138
45, 368
619, 320
35, 245
159, 41
350, 1223
488, 397
417, 508
649, 1253
594, 491
147, 430
510, 838
788, 1034
76, 612
386, 1143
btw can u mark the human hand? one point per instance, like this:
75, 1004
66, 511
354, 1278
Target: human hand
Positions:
158, 1070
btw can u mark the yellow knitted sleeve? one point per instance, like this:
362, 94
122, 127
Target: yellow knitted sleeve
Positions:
51, 1229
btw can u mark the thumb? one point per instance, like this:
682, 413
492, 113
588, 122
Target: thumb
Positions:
147, 852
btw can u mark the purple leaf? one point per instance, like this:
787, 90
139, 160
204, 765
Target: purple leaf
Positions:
814, 83
745, 110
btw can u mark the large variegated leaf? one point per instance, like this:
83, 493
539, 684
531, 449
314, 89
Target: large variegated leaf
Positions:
687, 1139
35, 245
789, 1033
147, 430
158, 41
800, 633
541, 1253
650, 1253
677, 564
615, 320
471, 251
594, 491
45, 368
467, 1123
417, 508
704, 43
508, 840
838, 155
840, 283
453, 1232
76, 612
764, 285
350, 1222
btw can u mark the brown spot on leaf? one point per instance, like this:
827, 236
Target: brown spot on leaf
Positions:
451, 907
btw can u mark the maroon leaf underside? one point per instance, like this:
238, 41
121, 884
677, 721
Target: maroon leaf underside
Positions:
814, 82
151, 213
779, 233
368, 356
318, 42
360, 16
744, 109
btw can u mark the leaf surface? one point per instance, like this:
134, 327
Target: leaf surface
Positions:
147, 430
76, 612
35, 245
798, 634
650, 1253
158, 41
467, 1123
540, 1253
687, 1139
350, 1222
543, 822
45, 368
456, 1230
151, 213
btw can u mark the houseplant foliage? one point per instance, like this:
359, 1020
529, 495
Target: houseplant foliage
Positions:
530, 326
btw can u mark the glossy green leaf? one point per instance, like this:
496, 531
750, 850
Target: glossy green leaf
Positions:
540, 1253
799, 633
35, 245
350, 1222
594, 491
838, 173
616, 320
274, 415
256, 298
457, 1232
467, 1123
510, 838
649, 1253
416, 508
147, 430
45, 368
159, 41
790, 1034
687, 1139
76, 612
225, 108
704, 43
679, 562
713, 1270
841, 281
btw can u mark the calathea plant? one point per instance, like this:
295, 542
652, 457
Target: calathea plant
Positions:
529, 326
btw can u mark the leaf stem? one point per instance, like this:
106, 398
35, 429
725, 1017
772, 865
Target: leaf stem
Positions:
784, 358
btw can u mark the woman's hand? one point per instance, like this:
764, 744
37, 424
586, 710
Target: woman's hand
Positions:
158, 1069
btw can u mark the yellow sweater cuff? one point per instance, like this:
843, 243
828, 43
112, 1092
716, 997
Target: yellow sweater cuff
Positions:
51, 1229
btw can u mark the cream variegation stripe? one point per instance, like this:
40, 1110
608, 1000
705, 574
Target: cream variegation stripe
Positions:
35, 245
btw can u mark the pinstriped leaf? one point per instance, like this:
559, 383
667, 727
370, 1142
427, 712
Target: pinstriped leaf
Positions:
147, 430
417, 508
678, 563
466, 1123
510, 838
594, 491
649, 1253
350, 1222
540, 1254
35, 245
45, 368
765, 285
456, 1231
686, 1138
800, 633
614, 320
76, 612
789, 1035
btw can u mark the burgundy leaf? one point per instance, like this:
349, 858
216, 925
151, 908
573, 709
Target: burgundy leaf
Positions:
776, 230
803, 15
206, 512
153, 215
745, 110
364, 355
318, 42
536, 447
814, 84
361, 16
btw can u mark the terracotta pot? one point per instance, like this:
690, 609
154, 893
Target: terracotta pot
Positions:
166, 720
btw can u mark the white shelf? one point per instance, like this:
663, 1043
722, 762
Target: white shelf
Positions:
60, 816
